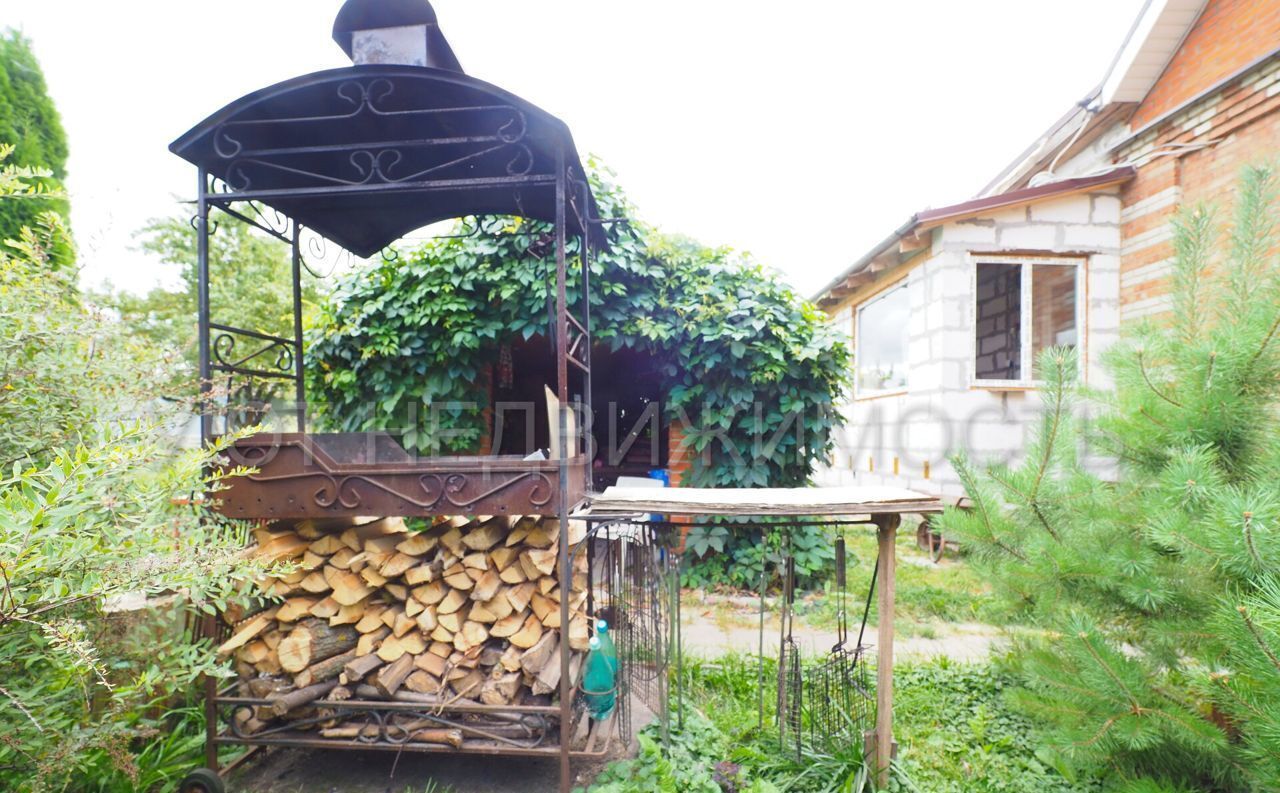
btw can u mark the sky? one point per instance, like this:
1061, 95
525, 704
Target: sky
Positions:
803, 132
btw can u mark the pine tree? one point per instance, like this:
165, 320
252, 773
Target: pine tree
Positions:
30, 123
1156, 590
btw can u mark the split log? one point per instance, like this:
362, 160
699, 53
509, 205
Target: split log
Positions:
519, 596
487, 586
418, 544
313, 640
247, 631
484, 537
284, 703
508, 626
389, 678
423, 682
357, 668
369, 642
528, 634
324, 670
533, 660
423, 573
397, 565
431, 663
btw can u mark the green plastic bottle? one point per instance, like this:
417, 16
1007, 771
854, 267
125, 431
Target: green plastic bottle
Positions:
601, 675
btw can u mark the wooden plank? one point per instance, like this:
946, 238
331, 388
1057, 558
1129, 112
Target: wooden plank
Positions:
887, 531
765, 501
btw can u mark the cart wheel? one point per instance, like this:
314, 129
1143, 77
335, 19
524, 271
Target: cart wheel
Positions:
202, 780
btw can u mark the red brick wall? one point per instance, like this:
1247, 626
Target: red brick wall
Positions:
1228, 36
1214, 139
679, 456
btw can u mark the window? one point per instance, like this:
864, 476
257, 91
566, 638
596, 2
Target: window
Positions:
1022, 307
881, 354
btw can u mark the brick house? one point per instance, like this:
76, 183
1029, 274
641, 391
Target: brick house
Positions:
1067, 245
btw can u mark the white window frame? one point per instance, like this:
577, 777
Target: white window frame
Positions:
1024, 315
858, 391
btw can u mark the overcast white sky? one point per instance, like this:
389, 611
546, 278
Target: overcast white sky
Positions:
803, 131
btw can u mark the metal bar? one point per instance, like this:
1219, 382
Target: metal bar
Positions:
679, 641
264, 228
300, 387
764, 579
391, 187
888, 529
229, 369
419, 748
366, 704
202, 301
588, 414
562, 392
382, 144
579, 365
250, 333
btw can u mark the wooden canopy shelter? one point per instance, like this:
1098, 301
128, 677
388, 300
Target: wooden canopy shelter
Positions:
881, 506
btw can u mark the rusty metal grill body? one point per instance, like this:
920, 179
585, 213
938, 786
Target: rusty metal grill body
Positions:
314, 475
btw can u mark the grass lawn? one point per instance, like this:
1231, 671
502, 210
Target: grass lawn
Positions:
954, 730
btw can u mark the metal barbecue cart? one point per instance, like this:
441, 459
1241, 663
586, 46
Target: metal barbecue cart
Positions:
353, 159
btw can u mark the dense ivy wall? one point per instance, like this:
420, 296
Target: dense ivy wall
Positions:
752, 366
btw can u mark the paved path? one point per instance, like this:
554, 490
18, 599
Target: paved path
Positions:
960, 642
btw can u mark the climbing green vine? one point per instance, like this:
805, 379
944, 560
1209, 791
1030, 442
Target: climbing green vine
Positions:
405, 345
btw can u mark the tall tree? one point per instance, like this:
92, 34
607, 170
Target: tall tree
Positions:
1157, 591
30, 123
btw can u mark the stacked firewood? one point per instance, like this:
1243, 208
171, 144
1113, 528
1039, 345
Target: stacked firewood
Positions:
467, 610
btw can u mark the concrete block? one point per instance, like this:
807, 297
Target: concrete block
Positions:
1014, 215
1071, 209
968, 234
1091, 237
1104, 284
952, 345
1106, 209
1039, 236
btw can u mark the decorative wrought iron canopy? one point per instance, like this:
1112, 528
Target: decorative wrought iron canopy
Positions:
366, 154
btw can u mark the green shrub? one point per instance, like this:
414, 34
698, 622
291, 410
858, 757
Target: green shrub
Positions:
95, 502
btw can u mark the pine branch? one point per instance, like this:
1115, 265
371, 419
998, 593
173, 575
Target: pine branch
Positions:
1133, 701
1258, 638
970, 486
1266, 342
1248, 540
1142, 368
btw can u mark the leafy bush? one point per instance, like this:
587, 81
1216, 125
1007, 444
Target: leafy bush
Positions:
95, 503
957, 734
1157, 592
727, 556
753, 367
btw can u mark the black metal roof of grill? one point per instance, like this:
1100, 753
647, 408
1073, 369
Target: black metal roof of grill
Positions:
366, 154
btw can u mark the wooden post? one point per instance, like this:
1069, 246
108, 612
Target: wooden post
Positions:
887, 530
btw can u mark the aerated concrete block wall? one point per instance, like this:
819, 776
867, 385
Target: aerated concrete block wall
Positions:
943, 412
